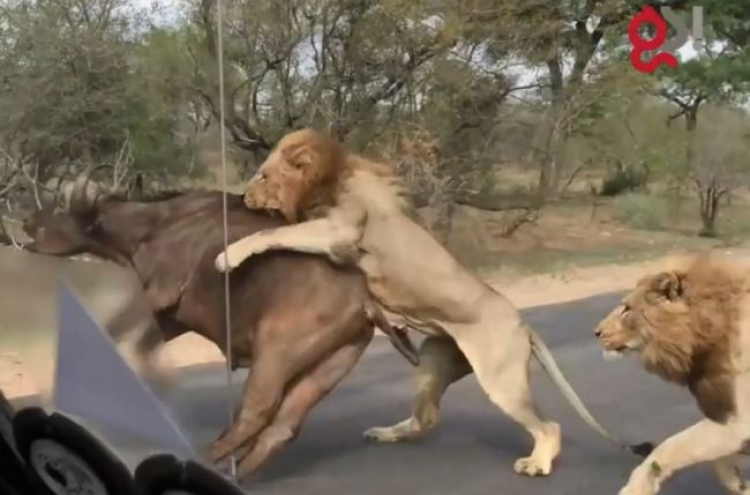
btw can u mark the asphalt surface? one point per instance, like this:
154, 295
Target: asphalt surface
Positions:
473, 450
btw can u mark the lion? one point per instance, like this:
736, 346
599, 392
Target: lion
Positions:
691, 327
352, 210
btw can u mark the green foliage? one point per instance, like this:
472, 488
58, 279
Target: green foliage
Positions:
82, 86
721, 71
76, 90
642, 211
160, 93
65, 88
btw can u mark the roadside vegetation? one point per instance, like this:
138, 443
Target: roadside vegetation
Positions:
524, 134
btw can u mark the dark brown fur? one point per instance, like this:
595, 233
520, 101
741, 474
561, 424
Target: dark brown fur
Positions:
297, 318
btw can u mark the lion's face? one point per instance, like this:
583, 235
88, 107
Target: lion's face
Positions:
636, 320
299, 164
277, 185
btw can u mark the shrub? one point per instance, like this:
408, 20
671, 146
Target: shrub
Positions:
642, 211
627, 179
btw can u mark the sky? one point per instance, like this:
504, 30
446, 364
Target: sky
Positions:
147, 3
687, 52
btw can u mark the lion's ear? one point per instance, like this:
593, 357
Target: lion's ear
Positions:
668, 284
299, 156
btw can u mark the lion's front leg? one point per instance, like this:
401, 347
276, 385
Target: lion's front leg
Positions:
330, 236
703, 442
239, 251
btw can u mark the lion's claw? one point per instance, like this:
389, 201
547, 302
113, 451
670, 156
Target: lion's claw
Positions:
382, 434
531, 467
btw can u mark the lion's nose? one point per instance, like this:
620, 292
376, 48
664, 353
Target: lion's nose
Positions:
598, 332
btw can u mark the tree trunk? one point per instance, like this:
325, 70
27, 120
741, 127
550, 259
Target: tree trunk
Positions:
691, 124
709, 204
551, 163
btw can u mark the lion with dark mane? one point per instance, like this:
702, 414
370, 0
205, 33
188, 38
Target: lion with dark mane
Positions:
352, 210
691, 326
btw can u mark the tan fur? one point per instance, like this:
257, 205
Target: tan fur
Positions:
690, 325
364, 220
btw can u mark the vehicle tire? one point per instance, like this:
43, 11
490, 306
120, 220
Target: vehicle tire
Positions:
164, 474
64, 458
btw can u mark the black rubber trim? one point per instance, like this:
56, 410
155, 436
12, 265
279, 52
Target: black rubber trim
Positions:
6, 419
33, 423
9, 488
13, 476
161, 472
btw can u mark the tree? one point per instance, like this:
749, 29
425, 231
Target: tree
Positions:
566, 38
720, 74
81, 85
339, 64
719, 163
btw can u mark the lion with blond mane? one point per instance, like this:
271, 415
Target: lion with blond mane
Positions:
352, 210
691, 326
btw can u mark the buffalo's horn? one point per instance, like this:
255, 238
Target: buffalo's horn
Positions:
79, 200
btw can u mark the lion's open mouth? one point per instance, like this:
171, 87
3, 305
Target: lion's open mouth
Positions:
612, 355
613, 352
254, 202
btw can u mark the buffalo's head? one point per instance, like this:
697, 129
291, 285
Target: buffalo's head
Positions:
65, 233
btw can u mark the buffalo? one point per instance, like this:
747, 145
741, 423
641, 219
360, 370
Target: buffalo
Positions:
300, 322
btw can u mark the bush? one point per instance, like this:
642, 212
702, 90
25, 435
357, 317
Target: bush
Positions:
642, 211
622, 180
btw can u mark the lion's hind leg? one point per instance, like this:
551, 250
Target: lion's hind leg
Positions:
502, 369
309, 389
440, 364
288, 343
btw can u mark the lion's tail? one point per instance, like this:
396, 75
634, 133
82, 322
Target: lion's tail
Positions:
547, 361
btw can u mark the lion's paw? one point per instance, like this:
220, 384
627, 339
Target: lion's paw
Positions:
383, 434
639, 487
225, 262
530, 466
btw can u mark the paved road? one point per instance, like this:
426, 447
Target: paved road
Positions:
473, 450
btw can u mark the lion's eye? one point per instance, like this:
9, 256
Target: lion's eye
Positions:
262, 177
625, 310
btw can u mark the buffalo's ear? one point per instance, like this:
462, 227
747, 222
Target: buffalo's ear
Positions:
667, 284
